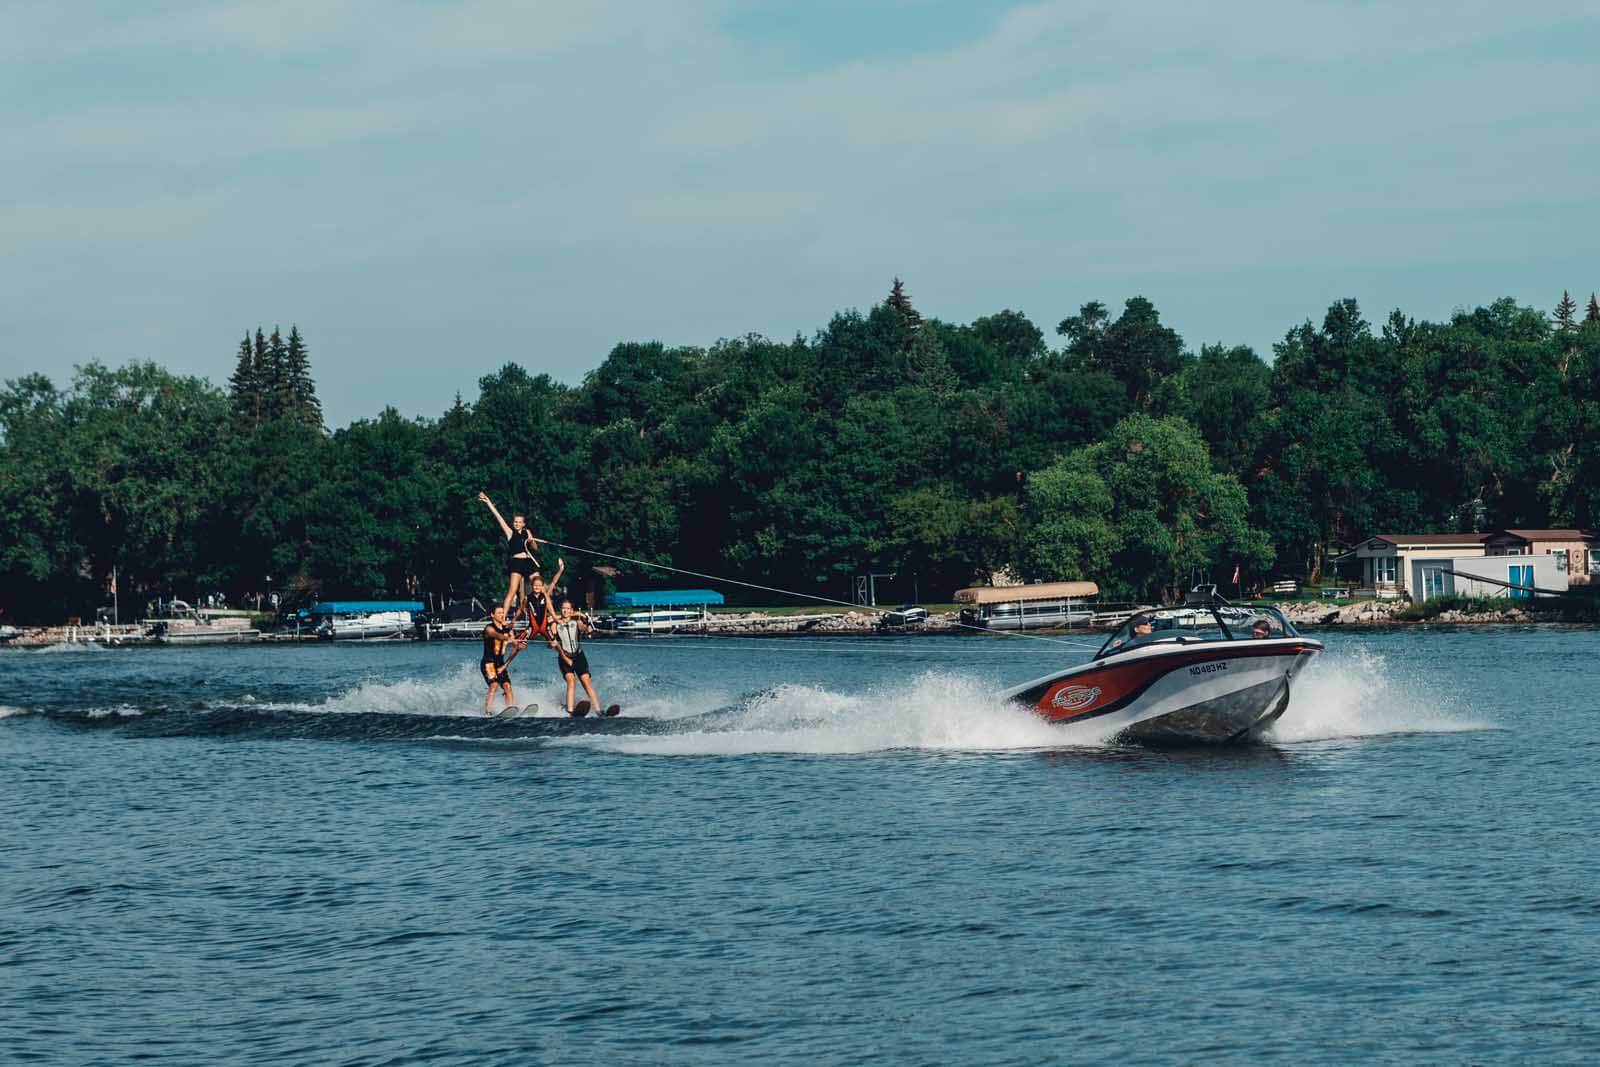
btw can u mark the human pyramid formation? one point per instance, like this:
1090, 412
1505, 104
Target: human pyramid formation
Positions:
553, 620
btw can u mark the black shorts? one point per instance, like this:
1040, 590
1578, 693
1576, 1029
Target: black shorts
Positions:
579, 664
523, 565
494, 673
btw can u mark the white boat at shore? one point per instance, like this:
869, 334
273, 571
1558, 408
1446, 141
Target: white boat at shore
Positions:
372, 626
365, 620
661, 622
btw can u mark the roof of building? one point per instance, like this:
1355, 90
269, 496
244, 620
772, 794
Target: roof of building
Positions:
1011, 594
666, 598
1432, 538
1547, 535
364, 607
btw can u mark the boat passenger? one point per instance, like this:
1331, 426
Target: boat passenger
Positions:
540, 602
1260, 628
495, 666
567, 640
520, 561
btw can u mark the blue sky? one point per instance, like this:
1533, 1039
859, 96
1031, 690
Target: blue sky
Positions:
431, 190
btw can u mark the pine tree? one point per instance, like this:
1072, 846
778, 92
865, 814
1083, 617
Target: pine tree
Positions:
244, 388
263, 381
901, 302
1593, 314
274, 383
301, 390
1564, 312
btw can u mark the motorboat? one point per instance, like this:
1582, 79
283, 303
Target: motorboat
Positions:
661, 622
365, 619
367, 626
1207, 672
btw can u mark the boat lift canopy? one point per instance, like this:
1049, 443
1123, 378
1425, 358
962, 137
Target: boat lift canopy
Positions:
667, 598
364, 607
1012, 594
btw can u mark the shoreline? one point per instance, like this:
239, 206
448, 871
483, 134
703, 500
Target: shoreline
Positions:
1312, 616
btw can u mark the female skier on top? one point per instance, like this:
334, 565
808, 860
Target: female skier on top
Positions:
520, 561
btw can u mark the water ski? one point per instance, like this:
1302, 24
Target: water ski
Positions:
580, 710
513, 712
613, 710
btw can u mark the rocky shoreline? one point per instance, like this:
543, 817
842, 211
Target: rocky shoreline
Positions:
1402, 613
754, 624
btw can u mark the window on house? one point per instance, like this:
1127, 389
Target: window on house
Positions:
1384, 568
1561, 558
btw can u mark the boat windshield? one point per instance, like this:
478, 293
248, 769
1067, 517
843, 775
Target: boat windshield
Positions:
1196, 624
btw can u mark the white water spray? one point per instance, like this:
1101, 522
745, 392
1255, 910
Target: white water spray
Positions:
1353, 691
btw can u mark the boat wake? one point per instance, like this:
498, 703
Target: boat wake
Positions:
66, 647
1356, 692
1349, 693
933, 711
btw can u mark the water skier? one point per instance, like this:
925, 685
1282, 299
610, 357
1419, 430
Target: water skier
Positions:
567, 640
540, 602
496, 663
520, 561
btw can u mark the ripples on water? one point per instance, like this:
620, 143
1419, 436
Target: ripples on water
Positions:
825, 851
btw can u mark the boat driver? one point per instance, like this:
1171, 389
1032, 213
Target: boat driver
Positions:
1142, 628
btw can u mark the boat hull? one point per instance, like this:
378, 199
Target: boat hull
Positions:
1199, 692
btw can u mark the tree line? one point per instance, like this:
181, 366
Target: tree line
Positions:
885, 442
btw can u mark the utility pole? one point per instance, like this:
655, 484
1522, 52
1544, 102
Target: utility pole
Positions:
116, 610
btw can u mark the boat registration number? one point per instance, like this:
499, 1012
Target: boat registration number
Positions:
1209, 668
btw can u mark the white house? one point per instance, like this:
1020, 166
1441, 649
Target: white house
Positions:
1387, 560
1489, 576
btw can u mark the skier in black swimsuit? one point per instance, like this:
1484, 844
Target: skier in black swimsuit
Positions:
520, 561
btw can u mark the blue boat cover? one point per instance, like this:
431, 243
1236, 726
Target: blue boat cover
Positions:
363, 607
666, 598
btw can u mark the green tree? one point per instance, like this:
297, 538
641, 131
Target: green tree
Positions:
900, 303
40, 550
374, 508
1225, 394
244, 387
1144, 513
300, 390
1329, 444
1067, 528
1136, 349
1566, 309
141, 447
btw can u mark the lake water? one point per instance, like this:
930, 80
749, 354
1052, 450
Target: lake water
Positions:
792, 851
